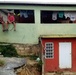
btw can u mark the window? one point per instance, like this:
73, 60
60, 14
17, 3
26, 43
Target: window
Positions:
21, 16
24, 16
49, 50
48, 16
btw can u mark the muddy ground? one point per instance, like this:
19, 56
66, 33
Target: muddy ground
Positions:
30, 68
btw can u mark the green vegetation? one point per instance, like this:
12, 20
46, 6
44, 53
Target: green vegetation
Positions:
8, 50
1, 62
33, 57
39, 66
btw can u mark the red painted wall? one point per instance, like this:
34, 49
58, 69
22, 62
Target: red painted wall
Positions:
53, 64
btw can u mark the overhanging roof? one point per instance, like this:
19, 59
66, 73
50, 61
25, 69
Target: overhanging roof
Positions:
36, 4
59, 36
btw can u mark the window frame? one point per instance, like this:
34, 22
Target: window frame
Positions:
64, 21
50, 50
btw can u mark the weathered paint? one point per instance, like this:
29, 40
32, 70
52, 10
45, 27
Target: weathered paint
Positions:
24, 34
53, 64
29, 33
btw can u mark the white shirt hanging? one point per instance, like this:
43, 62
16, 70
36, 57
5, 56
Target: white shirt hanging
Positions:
73, 16
54, 16
67, 14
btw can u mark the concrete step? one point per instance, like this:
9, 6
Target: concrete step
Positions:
63, 73
69, 73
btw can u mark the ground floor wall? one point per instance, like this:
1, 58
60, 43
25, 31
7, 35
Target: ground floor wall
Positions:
53, 64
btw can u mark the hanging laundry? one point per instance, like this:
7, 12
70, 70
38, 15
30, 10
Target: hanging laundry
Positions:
67, 14
54, 16
61, 14
73, 16
23, 13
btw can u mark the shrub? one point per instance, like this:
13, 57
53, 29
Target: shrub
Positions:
39, 66
1, 62
33, 57
8, 51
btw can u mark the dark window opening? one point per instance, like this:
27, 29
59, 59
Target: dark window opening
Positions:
24, 16
48, 16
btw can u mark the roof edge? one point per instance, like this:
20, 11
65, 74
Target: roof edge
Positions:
58, 36
35, 4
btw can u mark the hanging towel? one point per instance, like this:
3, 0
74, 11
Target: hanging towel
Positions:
61, 14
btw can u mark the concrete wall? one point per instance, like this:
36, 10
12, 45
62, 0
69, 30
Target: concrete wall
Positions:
29, 33
25, 49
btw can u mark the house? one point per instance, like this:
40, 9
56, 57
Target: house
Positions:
54, 25
58, 53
